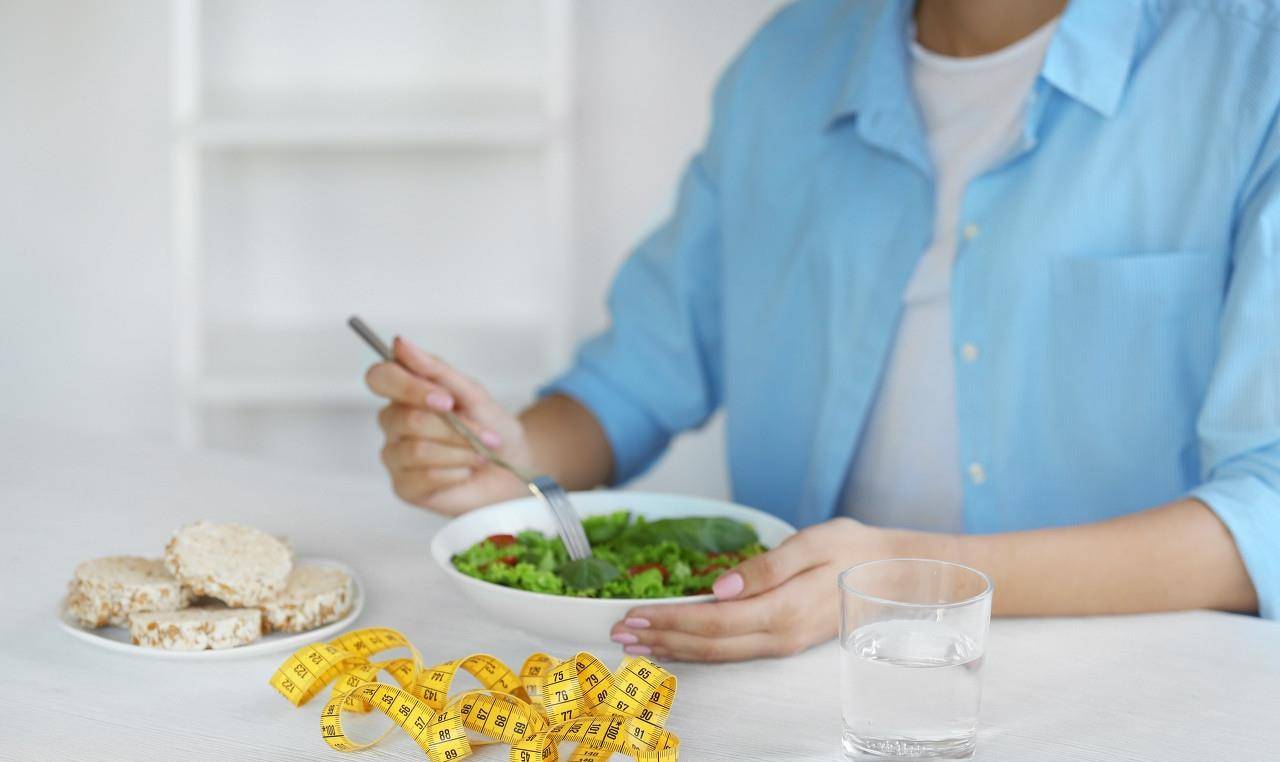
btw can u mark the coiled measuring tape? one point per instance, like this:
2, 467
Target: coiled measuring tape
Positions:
548, 702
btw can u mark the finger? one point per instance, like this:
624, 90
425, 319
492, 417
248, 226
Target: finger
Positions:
769, 569
387, 379
416, 485
407, 422
795, 616
470, 393
411, 454
680, 646
713, 620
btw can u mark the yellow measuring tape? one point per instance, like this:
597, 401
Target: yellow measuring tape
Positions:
546, 703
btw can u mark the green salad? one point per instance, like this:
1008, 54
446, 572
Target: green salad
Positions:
630, 558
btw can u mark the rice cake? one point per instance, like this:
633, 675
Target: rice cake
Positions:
238, 565
314, 595
196, 629
107, 590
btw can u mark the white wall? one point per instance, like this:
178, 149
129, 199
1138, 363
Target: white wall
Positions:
85, 273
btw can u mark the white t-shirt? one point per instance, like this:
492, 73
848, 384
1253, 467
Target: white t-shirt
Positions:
907, 470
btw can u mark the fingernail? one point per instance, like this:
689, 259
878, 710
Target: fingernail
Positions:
490, 439
635, 622
638, 650
728, 586
439, 401
625, 638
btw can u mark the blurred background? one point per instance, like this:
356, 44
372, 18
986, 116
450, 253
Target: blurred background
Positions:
195, 194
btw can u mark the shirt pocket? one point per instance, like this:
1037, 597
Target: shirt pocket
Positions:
1132, 304
1159, 280
1133, 340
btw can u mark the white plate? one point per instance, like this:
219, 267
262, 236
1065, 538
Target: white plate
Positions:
566, 619
117, 638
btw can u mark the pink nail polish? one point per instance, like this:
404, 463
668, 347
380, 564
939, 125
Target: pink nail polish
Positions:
625, 638
491, 439
638, 650
635, 622
728, 586
439, 401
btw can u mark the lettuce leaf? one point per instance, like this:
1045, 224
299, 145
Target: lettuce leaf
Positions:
707, 534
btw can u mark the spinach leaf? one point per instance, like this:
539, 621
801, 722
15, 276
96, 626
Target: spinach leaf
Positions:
601, 529
709, 535
588, 573
544, 558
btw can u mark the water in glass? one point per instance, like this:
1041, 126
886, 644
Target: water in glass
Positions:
911, 689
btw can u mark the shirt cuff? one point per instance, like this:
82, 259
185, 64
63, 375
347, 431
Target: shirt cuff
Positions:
634, 436
1251, 512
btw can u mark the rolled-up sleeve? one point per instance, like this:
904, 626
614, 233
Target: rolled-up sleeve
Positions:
1239, 425
656, 370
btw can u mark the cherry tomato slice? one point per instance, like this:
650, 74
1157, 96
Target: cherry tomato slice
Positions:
640, 568
508, 560
502, 540
729, 555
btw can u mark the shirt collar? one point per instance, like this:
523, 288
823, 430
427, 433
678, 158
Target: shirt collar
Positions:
1092, 52
1088, 60
878, 75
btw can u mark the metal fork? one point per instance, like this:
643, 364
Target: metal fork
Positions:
543, 487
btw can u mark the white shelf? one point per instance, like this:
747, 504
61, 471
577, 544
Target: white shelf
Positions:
300, 132
247, 81
324, 392
500, 346
322, 364
281, 391
481, 120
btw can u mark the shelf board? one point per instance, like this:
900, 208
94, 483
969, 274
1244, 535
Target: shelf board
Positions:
514, 345
321, 364
513, 120
433, 132
308, 392
281, 391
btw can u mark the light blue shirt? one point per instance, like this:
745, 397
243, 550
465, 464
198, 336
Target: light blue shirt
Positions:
1121, 279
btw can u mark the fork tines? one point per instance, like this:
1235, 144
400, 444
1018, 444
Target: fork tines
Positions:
575, 539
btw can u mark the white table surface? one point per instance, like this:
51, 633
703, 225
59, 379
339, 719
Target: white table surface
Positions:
1190, 686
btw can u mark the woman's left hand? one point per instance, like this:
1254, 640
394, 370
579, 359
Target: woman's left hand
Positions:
775, 604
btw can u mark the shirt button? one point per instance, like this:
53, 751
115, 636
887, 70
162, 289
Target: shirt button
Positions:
970, 231
969, 352
977, 474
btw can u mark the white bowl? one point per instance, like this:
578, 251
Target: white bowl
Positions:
579, 621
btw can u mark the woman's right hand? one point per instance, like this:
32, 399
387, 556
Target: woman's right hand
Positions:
430, 464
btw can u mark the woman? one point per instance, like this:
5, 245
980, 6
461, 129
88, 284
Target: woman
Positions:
991, 282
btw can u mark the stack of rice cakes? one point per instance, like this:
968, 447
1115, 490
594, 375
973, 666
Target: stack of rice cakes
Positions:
219, 586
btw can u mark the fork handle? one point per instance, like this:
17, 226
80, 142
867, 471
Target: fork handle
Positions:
482, 449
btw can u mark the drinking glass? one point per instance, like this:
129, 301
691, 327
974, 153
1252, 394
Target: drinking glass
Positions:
913, 633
